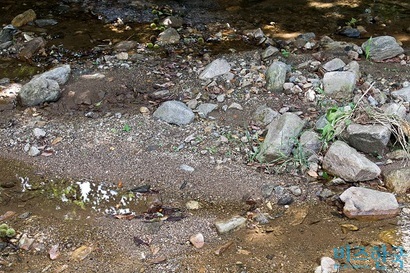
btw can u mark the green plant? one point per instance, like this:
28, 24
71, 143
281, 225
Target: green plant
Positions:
337, 118
126, 128
6, 232
352, 22
285, 53
367, 48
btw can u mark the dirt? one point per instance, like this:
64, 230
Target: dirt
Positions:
96, 133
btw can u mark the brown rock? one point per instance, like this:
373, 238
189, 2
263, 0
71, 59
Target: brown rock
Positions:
24, 18
398, 180
31, 48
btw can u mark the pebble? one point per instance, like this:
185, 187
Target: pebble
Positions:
197, 240
34, 151
39, 133
186, 168
233, 223
295, 190
285, 200
193, 205
235, 105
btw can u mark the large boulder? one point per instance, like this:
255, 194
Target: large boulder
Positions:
44, 88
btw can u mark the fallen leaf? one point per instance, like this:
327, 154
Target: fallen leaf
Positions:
56, 140
158, 260
7, 215
222, 248
81, 253
154, 249
348, 227
312, 174
390, 236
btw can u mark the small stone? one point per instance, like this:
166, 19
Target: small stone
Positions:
34, 151
216, 68
174, 112
295, 190
122, 56
81, 253
267, 190
24, 18
398, 180
233, 223
235, 105
334, 65
187, 168
25, 242
220, 98
269, 52
39, 133
193, 205
197, 240
285, 200
205, 109
168, 36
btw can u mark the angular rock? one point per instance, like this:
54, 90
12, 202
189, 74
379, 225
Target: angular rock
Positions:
382, 48
350, 32
398, 180
327, 265
226, 226
34, 151
205, 108
269, 51
45, 87
335, 64
125, 46
354, 67
197, 240
45, 22
280, 139
403, 93
174, 112
7, 33
339, 85
31, 47
216, 68
310, 143
264, 115
276, 76
344, 161
39, 133
371, 139
367, 204
173, 21
24, 18
168, 36
394, 109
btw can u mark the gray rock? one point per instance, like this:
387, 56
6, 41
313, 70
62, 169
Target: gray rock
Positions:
59, 74
7, 33
368, 204
233, 223
335, 64
173, 21
280, 139
381, 48
403, 93
168, 36
264, 115
45, 22
267, 190
186, 168
174, 112
354, 67
371, 139
344, 161
276, 76
220, 98
350, 32
339, 85
216, 68
398, 180
39, 133
269, 52
38, 91
34, 151
235, 105
295, 190
285, 200
205, 108
310, 143
327, 265
394, 109
125, 46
